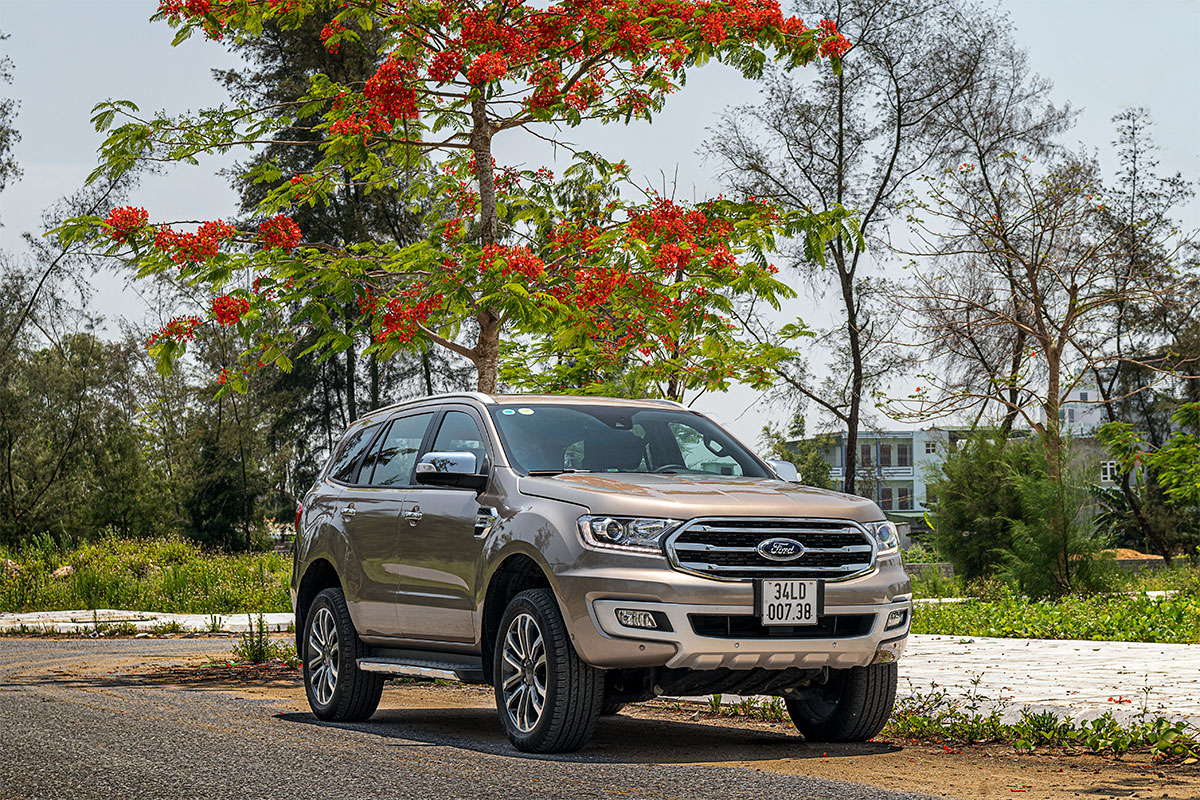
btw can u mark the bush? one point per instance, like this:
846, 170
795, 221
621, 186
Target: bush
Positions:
1055, 548
977, 501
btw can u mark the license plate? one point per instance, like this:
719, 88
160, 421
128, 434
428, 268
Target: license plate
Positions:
790, 602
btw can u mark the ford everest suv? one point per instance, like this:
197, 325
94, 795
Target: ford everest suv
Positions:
579, 553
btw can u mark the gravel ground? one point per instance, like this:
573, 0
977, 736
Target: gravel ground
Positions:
72, 727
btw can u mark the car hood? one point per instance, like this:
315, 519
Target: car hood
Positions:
690, 496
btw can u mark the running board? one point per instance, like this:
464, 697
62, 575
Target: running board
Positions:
430, 669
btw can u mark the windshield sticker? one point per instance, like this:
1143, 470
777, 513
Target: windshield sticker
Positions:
525, 411
508, 412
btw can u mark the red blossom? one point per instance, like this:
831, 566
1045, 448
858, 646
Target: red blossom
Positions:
228, 310
487, 67
125, 222
179, 329
193, 248
333, 29
280, 231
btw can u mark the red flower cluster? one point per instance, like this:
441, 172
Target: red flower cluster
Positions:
488, 67
125, 222
388, 90
513, 260
280, 231
404, 313
229, 310
681, 238
334, 28
179, 328
192, 248
833, 43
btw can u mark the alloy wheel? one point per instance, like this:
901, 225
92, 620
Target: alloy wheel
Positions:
523, 672
323, 655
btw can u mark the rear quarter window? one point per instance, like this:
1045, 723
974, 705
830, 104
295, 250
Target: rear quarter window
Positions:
345, 462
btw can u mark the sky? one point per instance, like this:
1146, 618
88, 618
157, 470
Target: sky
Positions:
1103, 56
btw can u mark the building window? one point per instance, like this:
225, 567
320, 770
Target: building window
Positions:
1109, 472
885, 455
885, 498
930, 448
904, 498
864, 454
904, 454
1083, 397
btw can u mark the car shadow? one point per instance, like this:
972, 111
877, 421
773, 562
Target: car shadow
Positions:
618, 739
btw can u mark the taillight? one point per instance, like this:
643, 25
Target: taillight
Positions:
299, 512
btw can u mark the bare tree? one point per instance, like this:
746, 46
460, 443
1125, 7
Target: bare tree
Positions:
1022, 253
855, 139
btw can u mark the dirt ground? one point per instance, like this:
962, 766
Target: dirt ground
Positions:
980, 771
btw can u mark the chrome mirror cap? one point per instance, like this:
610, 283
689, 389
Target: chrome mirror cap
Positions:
786, 470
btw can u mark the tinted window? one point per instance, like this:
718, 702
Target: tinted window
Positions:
543, 437
345, 463
391, 464
459, 433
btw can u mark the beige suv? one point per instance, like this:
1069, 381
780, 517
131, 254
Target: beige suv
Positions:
579, 553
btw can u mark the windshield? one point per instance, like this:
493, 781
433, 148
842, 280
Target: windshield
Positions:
549, 439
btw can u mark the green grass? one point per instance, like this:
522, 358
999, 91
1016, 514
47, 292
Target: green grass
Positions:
1117, 617
170, 574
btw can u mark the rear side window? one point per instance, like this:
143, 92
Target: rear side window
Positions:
345, 463
391, 464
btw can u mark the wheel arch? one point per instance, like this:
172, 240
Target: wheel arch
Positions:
319, 575
515, 574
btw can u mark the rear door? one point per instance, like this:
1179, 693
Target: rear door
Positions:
440, 553
371, 511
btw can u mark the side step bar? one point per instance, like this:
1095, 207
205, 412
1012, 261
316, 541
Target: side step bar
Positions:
429, 668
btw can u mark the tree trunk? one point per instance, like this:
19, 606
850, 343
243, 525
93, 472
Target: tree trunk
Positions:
487, 350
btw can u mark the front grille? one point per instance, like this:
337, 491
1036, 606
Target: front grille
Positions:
831, 626
728, 548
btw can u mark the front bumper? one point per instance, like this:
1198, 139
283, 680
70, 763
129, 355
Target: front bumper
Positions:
694, 651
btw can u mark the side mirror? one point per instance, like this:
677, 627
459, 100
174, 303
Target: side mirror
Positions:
786, 470
456, 469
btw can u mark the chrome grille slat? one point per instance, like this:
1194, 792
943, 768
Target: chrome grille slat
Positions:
727, 548
699, 567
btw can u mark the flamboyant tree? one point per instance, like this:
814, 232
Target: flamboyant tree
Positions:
509, 253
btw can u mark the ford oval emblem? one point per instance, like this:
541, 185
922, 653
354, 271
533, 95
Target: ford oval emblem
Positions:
780, 549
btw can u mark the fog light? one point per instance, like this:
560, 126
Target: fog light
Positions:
896, 619
636, 619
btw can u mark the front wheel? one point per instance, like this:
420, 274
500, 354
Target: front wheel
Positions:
852, 706
338, 691
548, 698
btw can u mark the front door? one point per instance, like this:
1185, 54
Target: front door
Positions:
439, 551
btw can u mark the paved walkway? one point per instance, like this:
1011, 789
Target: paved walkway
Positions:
1072, 677
1075, 678
83, 622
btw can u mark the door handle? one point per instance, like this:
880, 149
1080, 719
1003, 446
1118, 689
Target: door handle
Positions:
348, 511
413, 516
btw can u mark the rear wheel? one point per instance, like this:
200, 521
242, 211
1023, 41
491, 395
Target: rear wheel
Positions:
610, 707
852, 706
548, 698
338, 691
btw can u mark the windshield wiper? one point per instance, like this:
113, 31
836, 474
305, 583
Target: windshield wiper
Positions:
556, 471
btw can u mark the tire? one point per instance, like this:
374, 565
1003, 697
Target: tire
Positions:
853, 706
535, 661
610, 707
338, 691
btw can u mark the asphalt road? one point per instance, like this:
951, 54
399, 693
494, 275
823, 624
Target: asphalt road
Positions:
76, 721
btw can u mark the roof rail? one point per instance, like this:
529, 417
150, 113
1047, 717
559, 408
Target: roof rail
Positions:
674, 403
478, 396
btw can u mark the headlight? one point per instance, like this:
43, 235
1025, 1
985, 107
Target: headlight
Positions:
625, 533
886, 535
